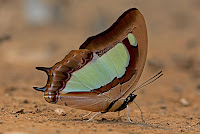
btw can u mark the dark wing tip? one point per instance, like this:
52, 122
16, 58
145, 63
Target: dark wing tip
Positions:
45, 69
42, 68
40, 89
131, 9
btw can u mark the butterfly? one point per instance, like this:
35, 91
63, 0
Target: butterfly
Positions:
100, 76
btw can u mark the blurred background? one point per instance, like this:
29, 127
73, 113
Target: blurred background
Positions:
41, 32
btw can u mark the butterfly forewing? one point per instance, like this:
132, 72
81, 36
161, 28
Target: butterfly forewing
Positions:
132, 22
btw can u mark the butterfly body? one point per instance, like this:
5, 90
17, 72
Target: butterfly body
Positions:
100, 76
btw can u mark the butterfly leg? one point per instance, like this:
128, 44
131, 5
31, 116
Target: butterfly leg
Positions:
118, 113
93, 116
119, 116
86, 115
128, 114
140, 112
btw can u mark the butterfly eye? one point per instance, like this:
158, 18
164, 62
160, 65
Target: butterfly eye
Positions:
73, 55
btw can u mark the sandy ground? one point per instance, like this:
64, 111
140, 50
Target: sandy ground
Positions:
169, 105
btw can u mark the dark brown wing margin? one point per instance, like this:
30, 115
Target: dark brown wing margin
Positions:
113, 34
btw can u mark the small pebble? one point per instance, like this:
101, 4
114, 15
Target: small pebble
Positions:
95, 129
190, 118
38, 110
20, 111
1, 122
163, 107
36, 106
12, 112
182, 130
184, 102
60, 111
103, 119
25, 101
2, 109
63, 114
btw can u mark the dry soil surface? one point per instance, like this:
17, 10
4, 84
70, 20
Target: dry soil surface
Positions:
169, 105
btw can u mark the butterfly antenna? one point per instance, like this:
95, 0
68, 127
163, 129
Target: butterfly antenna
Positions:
155, 77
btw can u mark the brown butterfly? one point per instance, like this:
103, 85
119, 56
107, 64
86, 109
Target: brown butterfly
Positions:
101, 75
